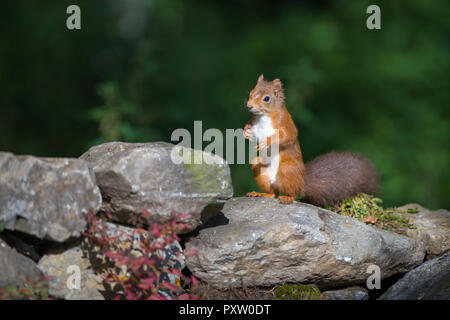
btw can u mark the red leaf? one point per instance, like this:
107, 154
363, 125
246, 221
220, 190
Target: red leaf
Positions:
111, 255
130, 295
194, 281
155, 230
122, 261
170, 286
190, 252
176, 272
146, 283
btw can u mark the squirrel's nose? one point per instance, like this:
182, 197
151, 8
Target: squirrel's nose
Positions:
249, 106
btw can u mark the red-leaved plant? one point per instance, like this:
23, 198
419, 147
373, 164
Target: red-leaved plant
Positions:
148, 274
29, 290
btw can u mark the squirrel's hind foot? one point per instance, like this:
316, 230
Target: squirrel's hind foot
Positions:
260, 194
286, 199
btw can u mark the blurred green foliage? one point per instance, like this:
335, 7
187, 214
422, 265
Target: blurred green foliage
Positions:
139, 69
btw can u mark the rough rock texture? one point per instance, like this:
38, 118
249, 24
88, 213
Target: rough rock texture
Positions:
136, 176
429, 281
15, 268
353, 293
266, 243
46, 197
433, 229
57, 265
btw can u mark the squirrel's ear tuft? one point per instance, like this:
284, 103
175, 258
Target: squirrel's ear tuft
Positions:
277, 86
277, 83
261, 78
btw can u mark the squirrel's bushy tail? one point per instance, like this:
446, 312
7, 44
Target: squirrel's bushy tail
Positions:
335, 176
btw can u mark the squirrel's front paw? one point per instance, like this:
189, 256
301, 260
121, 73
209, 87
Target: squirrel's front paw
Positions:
248, 132
261, 194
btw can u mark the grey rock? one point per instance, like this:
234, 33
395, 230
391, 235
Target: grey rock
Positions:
63, 268
352, 293
136, 176
46, 197
429, 281
266, 243
15, 269
432, 228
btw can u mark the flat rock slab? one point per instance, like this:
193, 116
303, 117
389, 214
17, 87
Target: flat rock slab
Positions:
136, 176
429, 281
46, 197
432, 228
15, 269
267, 243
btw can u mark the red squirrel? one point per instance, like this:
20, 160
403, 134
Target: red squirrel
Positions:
324, 181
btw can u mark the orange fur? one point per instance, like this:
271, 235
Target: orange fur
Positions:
262, 180
291, 161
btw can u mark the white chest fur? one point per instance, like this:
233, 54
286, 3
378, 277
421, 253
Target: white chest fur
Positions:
262, 129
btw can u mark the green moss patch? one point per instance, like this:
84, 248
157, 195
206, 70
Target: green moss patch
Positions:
369, 210
284, 292
297, 292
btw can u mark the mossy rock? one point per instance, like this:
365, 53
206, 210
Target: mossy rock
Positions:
369, 210
297, 292
207, 178
162, 178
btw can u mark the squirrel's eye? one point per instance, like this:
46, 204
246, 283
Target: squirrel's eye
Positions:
266, 98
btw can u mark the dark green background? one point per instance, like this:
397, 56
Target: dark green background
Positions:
137, 70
